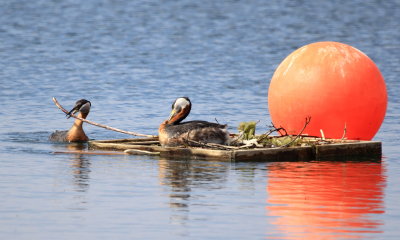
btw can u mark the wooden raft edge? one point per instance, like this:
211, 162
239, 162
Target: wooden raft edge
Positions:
333, 151
166, 151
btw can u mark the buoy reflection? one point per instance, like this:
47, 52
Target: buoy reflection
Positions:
327, 200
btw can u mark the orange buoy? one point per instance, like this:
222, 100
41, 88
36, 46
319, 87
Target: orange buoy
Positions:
335, 84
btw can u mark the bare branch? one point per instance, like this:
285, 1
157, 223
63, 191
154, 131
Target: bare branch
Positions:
278, 129
308, 119
236, 139
100, 125
344, 132
192, 143
89, 153
322, 134
273, 129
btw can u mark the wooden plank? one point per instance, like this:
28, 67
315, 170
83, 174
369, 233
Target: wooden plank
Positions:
333, 151
140, 152
126, 140
275, 154
223, 155
89, 153
165, 151
124, 146
349, 150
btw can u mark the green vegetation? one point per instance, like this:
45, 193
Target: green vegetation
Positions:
247, 129
247, 134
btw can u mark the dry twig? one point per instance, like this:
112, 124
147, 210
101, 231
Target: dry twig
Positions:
308, 119
344, 132
100, 125
89, 153
208, 145
236, 139
273, 129
279, 129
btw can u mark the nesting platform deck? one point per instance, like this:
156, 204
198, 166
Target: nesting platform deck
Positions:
336, 150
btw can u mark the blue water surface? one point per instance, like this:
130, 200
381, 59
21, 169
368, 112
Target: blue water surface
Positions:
131, 59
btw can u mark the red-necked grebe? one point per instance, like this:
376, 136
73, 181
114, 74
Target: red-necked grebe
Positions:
75, 133
173, 132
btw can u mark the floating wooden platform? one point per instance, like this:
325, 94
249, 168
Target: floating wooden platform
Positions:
337, 150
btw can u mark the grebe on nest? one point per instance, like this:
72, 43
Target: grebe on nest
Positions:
75, 133
173, 132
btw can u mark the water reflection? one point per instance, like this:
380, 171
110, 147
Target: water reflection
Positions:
184, 175
80, 164
326, 200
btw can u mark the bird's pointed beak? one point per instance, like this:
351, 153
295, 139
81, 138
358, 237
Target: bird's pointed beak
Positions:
73, 111
172, 114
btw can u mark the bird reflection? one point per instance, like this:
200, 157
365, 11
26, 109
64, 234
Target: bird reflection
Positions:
326, 200
176, 174
183, 175
80, 165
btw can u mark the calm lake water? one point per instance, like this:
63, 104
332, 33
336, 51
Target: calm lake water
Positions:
131, 59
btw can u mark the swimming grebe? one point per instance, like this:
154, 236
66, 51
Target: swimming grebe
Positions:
174, 133
75, 133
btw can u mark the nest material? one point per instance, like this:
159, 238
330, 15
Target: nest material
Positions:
247, 138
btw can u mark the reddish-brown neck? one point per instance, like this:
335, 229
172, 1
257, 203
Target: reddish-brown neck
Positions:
178, 117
